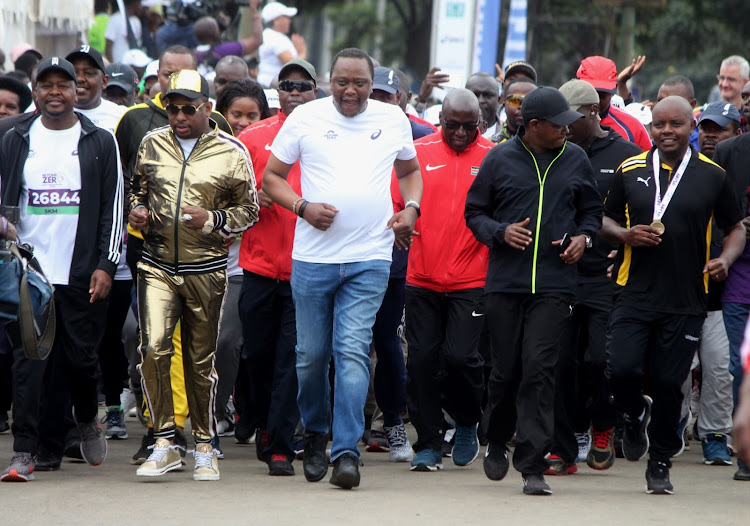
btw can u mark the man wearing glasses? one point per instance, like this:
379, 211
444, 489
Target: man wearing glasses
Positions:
266, 305
445, 280
733, 75
193, 188
535, 204
514, 94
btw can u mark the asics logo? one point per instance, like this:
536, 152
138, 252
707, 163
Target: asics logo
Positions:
375, 135
431, 168
644, 181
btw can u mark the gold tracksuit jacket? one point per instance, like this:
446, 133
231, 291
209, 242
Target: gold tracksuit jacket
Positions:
217, 176
182, 273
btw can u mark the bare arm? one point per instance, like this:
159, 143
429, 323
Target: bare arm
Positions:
734, 244
250, 44
637, 236
410, 186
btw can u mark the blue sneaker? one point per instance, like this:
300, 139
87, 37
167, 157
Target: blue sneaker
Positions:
466, 448
427, 460
715, 450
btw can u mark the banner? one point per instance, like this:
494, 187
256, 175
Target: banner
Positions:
515, 44
487, 28
453, 38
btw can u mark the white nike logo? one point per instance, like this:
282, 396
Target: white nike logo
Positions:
431, 168
644, 181
268, 146
474, 313
117, 74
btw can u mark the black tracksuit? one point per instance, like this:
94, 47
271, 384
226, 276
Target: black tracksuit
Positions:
529, 292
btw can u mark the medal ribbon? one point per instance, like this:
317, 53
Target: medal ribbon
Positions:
660, 205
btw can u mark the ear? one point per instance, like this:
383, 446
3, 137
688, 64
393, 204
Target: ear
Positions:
209, 107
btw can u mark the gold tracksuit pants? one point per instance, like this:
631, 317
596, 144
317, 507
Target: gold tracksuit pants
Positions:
163, 300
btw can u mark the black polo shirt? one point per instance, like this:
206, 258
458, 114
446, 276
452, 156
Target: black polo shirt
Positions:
669, 277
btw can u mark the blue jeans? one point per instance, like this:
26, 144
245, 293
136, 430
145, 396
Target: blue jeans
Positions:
336, 306
735, 319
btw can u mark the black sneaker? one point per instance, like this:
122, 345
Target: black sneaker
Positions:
635, 438
534, 484
46, 461
657, 478
496, 461
345, 471
261, 441
147, 444
743, 472
72, 449
315, 461
280, 466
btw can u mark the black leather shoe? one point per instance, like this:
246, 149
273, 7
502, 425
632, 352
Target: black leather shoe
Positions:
315, 461
345, 471
46, 461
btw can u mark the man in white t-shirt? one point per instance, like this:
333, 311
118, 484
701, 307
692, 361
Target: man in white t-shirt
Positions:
277, 48
116, 34
64, 174
347, 147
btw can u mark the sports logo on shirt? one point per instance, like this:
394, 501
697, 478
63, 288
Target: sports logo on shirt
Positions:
644, 181
331, 135
431, 168
474, 171
377, 133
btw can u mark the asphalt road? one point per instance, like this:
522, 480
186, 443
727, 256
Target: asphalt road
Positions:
389, 494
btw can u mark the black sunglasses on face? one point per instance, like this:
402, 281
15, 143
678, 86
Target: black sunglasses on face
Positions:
188, 109
291, 85
467, 126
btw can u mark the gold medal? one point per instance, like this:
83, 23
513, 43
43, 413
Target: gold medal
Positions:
658, 226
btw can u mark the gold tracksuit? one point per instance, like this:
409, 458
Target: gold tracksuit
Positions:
183, 271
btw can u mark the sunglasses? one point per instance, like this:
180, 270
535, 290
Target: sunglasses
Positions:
291, 85
187, 109
514, 100
469, 127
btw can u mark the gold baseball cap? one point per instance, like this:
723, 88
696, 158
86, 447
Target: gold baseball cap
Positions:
188, 83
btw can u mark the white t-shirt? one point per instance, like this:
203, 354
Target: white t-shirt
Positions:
106, 115
233, 259
346, 162
50, 197
269, 65
117, 32
187, 145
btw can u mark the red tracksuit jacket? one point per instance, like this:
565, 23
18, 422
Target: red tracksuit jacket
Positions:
266, 248
445, 256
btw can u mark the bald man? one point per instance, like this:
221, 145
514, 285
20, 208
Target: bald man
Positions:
445, 284
667, 199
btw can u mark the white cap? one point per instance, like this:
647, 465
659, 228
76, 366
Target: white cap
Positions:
640, 112
272, 96
136, 58
152, 70
274, 10
617, 101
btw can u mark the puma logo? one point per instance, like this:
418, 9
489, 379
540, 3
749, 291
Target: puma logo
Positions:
644, 181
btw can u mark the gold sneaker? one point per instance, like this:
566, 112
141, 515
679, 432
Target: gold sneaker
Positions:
206, 462
165, 457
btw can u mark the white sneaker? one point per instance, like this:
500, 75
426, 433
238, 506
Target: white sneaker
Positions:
127, 401
206, 462
398, 441
584, 445
165, 457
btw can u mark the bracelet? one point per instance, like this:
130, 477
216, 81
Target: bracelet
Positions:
302, 209
294, 204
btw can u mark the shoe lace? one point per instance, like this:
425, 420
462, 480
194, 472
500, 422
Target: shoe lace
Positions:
203, 460
396, 436
157, 453
602, 439
91, 431
582, 439
465, 436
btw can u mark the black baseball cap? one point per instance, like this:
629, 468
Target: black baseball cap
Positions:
188, 83
55, 64
720, 112
298, 63
548, 104
90, 53
520, 66
122, 76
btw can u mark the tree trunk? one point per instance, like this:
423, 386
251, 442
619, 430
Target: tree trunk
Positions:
417, 41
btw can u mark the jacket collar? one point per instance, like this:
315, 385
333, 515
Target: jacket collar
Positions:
24, 125
691, 163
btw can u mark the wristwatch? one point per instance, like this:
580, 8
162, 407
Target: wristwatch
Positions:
413, 204
587, 237
208, 226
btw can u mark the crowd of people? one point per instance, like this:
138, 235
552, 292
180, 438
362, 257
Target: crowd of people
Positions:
559, 275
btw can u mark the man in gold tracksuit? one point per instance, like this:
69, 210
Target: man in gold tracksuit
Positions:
192, 188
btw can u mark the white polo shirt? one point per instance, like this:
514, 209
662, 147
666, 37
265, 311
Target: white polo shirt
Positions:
346, 162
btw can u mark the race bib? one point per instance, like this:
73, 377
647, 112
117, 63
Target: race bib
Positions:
53, 202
